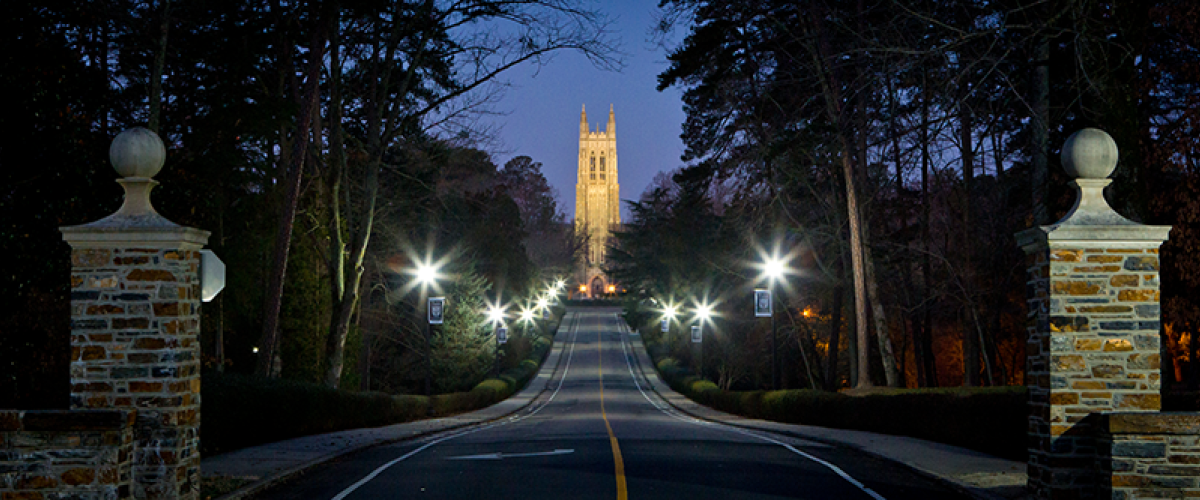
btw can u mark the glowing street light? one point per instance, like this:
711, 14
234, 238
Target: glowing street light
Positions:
668, 315
772, 269
702, 313
496, 314
426, 274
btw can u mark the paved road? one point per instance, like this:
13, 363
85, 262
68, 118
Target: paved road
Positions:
599, 433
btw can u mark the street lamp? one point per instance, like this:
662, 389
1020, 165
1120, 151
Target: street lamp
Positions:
771, 269
426, 275
668, 315
701, 315
496, 314
528, 315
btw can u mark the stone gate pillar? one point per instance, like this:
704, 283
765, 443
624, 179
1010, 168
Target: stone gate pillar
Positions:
135, 319
1093, 323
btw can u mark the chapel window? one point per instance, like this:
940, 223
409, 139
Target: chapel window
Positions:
601, 163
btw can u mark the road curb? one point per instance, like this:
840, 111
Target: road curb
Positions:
966, 489
283, 476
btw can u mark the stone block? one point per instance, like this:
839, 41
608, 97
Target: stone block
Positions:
1077, 287
140, 274
1069, 363
1068, 323
1144, 362
1141, 264
1137, 449
1106, 259
78, 476
1108, 371
1117, 345
91, 257
1124, 280
1138, 295
1106, 309
1136, 401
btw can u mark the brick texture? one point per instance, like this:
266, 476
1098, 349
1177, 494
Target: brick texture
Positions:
81, 455
1149, 455
135, 322
1093, 346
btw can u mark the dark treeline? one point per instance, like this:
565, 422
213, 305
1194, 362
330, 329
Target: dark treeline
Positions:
894, 147
328, 147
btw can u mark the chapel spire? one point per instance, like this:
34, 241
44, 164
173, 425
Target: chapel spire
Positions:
583, 124
612, 122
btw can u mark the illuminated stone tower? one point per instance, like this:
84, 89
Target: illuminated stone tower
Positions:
597, 195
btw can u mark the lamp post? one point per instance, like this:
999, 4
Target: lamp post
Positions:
668, 316
772, 269
427, 274
496, 316
527, 316
703, 313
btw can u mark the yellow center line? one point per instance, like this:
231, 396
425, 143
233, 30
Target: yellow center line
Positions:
622, 492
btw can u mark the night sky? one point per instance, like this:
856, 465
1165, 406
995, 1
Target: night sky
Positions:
542, 109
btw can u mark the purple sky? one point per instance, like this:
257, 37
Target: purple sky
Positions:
542, 109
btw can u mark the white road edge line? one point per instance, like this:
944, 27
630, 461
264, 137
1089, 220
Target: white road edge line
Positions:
379, 470
836, 470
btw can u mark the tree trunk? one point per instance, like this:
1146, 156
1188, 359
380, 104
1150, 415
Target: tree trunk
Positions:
268, 348
970, 339
360, 233
926, 344
336, 350
835, 329
1040, 97
882, 337
156, 73
858, 265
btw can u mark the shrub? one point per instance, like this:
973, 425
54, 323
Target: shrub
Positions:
240, 411
991, 420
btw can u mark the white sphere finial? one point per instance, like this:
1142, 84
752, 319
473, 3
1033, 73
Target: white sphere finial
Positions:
1089, 154
137, 152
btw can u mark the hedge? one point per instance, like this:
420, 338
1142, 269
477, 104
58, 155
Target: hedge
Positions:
991, 420
240, 411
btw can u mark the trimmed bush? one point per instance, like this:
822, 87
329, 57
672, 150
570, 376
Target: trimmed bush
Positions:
240, 411
990, 420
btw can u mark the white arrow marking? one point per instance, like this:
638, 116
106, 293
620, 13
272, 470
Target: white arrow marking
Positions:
501, 456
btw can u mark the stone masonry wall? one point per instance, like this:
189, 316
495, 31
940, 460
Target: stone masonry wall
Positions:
1093, 347
1149, 455
134, 325
80, 455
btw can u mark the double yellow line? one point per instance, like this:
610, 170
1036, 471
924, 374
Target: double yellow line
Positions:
622, 491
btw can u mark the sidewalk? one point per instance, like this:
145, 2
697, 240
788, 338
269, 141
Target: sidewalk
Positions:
982, 476
262, 466
979, 475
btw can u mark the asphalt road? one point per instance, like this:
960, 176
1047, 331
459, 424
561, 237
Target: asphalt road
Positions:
599, 433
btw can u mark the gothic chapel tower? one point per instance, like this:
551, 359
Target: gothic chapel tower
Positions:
597, 194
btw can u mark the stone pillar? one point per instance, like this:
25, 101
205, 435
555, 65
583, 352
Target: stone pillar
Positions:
1093, 323
135, 321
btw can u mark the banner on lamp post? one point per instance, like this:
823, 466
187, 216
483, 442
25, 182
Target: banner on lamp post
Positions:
666, 325
502, 335
697, 336
762, 303
437, 310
